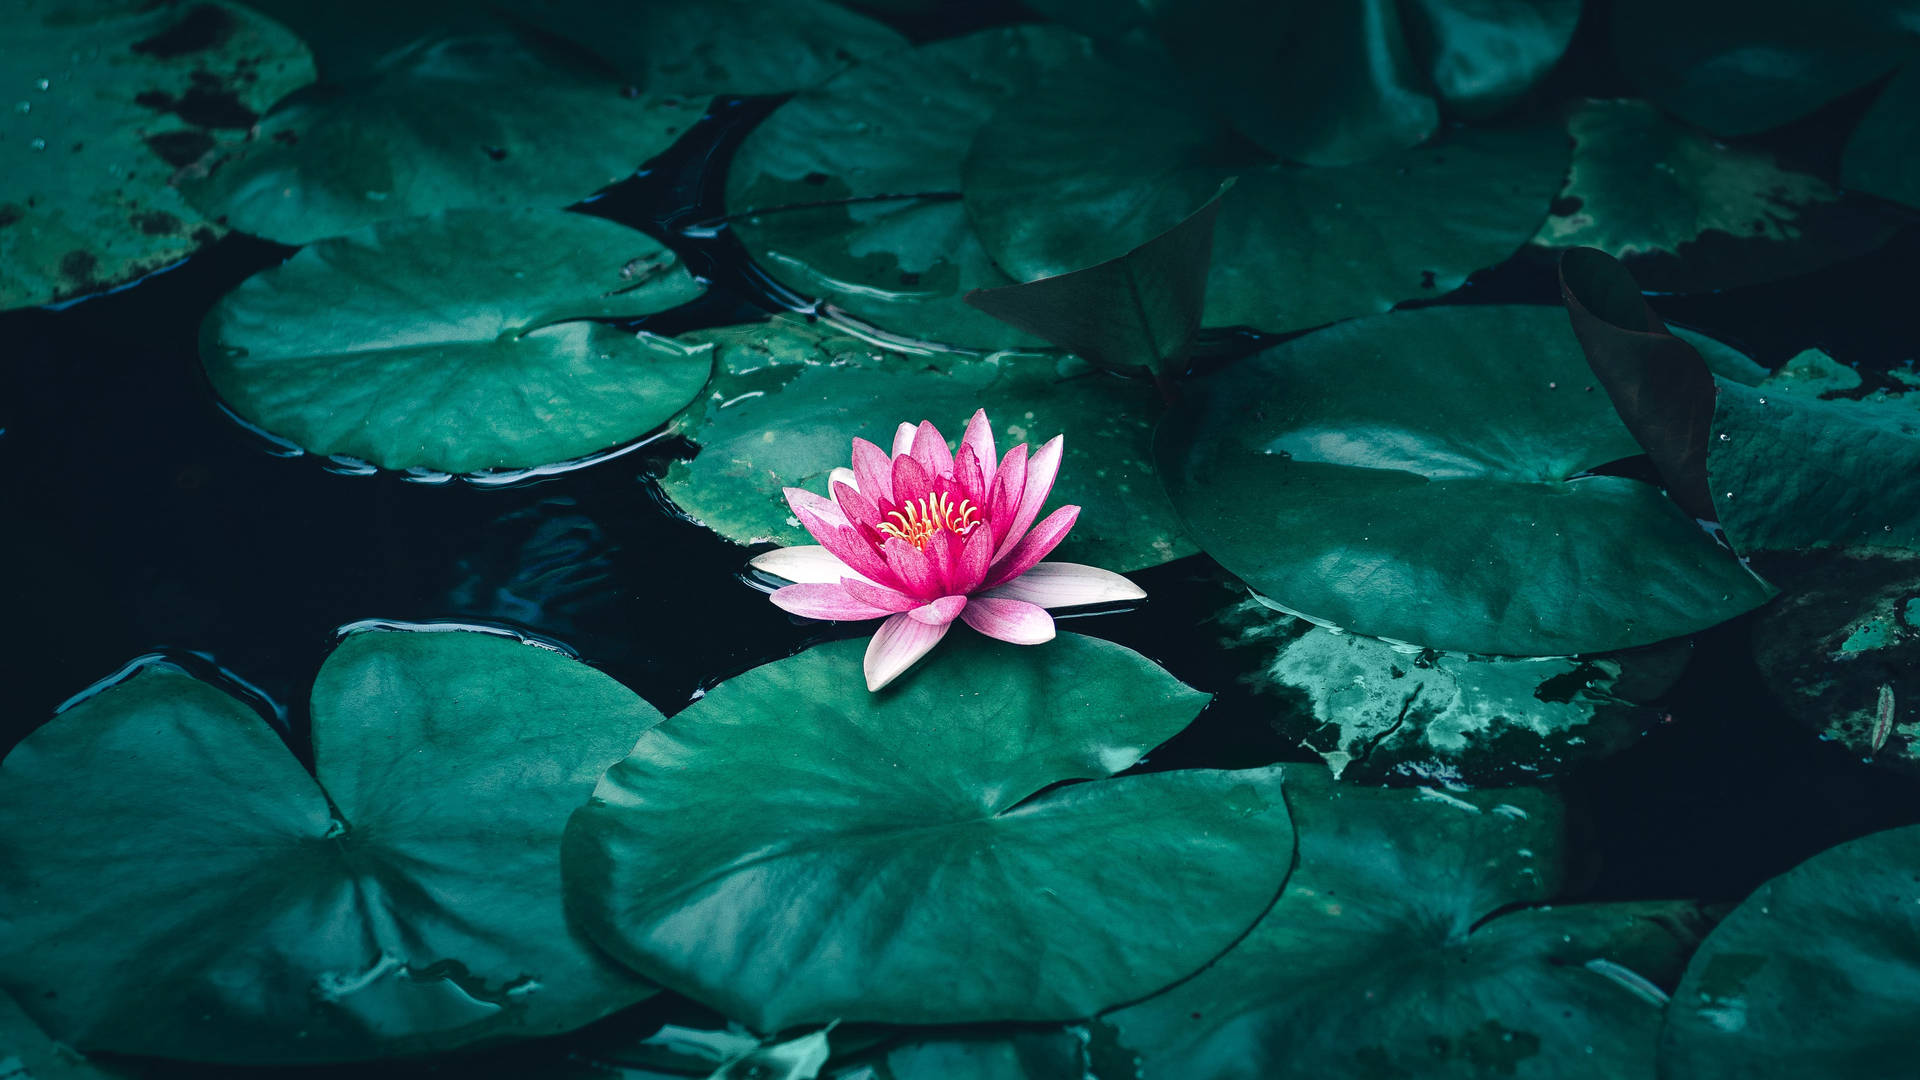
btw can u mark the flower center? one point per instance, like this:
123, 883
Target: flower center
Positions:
920, 519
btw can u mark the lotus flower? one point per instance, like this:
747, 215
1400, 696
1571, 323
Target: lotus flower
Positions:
925, 536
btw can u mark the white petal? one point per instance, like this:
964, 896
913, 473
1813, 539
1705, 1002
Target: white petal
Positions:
806, 564
842, 475
896, 646
1065, 584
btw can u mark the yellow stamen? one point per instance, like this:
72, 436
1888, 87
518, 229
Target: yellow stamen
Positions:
920, 519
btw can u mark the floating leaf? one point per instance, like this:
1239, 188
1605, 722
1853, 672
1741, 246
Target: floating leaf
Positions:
1692, 213
476, 121
1379, 713
1336, 84
1841, 650
1140, 311
1392, 953
851, 192
792, 849
455, 342
1090, 167
1793, 470
185, 889
1815, 976
1427, 477
106, 101
789, 397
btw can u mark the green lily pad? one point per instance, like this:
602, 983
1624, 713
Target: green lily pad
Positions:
185, 889
1792, 468
1380, 713
26, 1053
788, 398
1389, 954
1425, 476
456, 342
1883, 156
486, 120
851, 192
105, 102
1841, 650
1815, 976
1693, 213
1336, 84
792, 849
1092, 167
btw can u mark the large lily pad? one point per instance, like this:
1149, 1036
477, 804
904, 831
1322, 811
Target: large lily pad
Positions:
1336, 84
1376, 712
1691, 212
1426, 476
1096, 165
455, 342
793, 849
851, 192
789, 397
1737, 67
1799, 462
181, 887
1390, 954
487, 120
105, 102
1815, 976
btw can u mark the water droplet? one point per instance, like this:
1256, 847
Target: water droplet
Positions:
38, 144
1763, 401
24, 106
1723, 437
43, 84
1729, 494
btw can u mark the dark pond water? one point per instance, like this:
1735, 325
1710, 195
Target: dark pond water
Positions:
140, 518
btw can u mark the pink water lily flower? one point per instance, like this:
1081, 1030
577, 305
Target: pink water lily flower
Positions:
924, 536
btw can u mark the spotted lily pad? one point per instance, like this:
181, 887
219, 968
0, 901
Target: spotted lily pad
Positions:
1377, 712
186, 889
457, 342
489, 120
1392, 953
851, 192
1428, 477
1691, 212
793, 849
1095, 164
104, 103
789, 397
1815, 976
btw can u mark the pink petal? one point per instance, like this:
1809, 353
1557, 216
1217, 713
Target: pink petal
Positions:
1034, 547
911, 572
803, 563
1065, 584
911, 481
889, 600
854, 503
969, 483
1003, 494
873, 471
849, 547
930, 450
802, 501
903, 440
976, 554
939, 612
943, 554
1009, 620
977, 443
824, 602
1040, 473
899, 642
